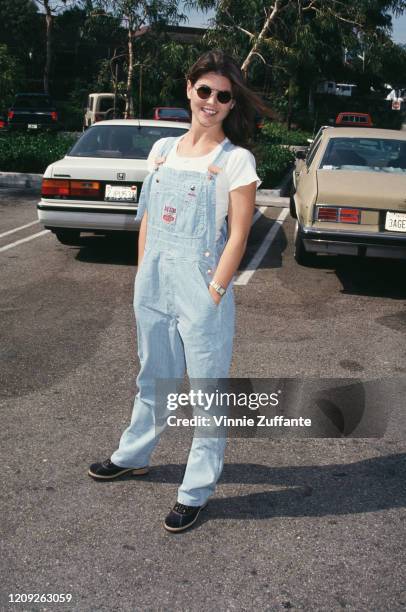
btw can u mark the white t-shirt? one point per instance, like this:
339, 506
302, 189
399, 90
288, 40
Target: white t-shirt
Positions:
239, 170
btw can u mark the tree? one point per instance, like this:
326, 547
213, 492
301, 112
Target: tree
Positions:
11, 76
139, 15
300, 41
18, 30
52, 8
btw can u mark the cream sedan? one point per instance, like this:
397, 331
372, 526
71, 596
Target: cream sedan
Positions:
350, 195
96, 186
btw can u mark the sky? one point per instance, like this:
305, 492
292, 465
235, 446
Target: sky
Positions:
198, 18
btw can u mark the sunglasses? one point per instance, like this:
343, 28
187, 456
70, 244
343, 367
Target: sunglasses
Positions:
204, 92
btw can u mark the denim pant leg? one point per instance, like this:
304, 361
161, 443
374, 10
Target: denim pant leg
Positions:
161, 355
208, 354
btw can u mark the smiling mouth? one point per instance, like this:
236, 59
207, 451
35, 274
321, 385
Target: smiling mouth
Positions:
208, 111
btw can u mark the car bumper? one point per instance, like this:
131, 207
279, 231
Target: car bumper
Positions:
41, 127
87, 218
388, 244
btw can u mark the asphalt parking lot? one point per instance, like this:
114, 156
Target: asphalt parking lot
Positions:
299, 524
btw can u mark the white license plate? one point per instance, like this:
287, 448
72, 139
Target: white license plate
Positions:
120, 193
32, 126
395, 222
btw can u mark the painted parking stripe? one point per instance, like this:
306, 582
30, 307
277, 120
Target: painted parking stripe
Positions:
14, 244
258, 213
17, 229
253, 264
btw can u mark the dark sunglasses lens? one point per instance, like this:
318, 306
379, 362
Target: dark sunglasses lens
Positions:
224, 97
203, 92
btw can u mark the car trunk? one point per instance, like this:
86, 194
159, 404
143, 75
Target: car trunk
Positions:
99, 169
371, 190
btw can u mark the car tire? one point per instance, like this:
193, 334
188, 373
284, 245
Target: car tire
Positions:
69, 237
302, 257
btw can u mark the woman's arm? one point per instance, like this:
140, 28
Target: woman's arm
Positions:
142, 235
240, 212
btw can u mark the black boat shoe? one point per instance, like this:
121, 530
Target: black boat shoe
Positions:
108, 470
182, 517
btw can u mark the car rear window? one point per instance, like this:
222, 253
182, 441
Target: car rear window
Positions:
121, 141
106, 104
179, 113
32, 102
365, 154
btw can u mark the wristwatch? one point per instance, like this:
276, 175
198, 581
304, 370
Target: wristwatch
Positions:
217, 287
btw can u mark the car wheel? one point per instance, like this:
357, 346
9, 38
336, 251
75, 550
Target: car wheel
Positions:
69, 237
303, 257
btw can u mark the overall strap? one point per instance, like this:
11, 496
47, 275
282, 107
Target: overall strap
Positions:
223, 154
144, 195
167, 145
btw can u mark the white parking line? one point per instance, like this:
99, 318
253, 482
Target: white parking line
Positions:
258, 213
14, 244
17, 229
253, 264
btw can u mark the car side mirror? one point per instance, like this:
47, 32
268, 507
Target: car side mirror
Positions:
300, 155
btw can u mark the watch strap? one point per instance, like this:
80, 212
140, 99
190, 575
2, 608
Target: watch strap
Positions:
217, 287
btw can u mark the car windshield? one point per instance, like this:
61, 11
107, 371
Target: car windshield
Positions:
365, 154
122, 141
174, 112
32, 102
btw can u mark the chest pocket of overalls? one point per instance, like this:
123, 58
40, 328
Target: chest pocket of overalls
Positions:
178, 209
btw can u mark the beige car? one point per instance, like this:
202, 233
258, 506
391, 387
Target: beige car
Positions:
349, 195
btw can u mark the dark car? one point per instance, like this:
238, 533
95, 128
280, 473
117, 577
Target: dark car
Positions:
170, 113
33, 112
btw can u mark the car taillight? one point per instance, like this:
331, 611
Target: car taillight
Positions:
338, 214
60, 187
350, 215
10, 114
54, 116
84, 188
327, 213
98, 117
2, 123
55, 187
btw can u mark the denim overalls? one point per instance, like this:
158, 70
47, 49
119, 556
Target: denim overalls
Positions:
178, 323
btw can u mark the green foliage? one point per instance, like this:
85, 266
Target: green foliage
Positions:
278, 133
11, 76
21, 152
273, 161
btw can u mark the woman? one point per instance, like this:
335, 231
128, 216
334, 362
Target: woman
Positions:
187, 257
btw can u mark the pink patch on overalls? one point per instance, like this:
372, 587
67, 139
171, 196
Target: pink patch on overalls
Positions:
169, 214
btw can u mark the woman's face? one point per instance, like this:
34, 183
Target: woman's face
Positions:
210, 112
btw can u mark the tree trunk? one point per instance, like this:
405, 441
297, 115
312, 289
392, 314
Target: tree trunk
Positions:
47, 68
129, 106
311, 100
254, 51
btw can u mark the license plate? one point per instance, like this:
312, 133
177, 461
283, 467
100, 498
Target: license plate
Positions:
32, 126
395, 222
120, 193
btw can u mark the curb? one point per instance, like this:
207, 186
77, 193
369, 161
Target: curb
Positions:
22, 180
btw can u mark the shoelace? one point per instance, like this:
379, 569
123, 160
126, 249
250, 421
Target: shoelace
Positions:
181, 508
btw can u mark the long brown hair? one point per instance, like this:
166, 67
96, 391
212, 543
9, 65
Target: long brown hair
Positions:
239, 123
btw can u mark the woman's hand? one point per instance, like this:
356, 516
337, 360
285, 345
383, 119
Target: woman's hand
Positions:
216, 296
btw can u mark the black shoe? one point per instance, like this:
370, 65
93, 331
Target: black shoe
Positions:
182, 517
107, 470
